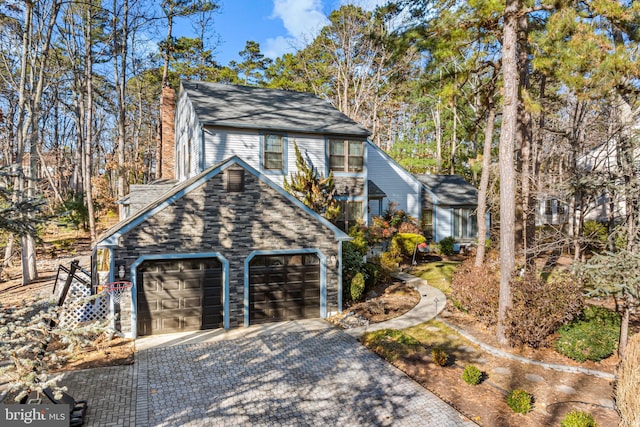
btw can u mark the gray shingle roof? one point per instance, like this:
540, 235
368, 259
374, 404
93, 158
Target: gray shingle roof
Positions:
450, 189
374, 191
270, 109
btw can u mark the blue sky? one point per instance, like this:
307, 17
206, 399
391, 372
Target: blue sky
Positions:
279, 26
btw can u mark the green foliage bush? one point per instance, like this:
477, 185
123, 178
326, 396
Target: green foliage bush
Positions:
578, 419
472, 375
74, 212
446, 246
475, 290
406, 243
520, 401
593, 336
540, 307
353, 264
376, 273
392, 258
440, 357
357, 287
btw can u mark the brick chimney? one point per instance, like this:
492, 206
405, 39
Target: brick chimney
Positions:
167, 146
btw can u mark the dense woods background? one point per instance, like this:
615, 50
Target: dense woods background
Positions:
509, 94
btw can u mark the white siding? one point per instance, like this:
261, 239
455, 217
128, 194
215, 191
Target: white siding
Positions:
187, 139
442, 222
394, 180
220, 144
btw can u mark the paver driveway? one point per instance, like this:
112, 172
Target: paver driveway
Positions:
319, 377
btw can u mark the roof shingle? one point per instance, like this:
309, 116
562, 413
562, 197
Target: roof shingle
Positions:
269, 109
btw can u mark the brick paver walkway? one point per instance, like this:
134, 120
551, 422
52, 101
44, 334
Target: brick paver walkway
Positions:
297, 378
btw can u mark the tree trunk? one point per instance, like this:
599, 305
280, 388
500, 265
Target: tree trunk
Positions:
506, 162
120, 74
484, 180
8, 252
624, 329
89, 124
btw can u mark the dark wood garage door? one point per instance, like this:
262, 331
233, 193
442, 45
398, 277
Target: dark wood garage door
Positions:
284, 287
179, 295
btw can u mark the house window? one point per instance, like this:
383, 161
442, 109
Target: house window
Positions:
346, 156
465, 223
273, 152
561, 209
548, 207
350, 214
427, 223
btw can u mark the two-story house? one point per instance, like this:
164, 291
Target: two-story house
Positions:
218, 242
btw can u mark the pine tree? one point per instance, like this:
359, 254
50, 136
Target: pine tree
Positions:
26, 330
312, 188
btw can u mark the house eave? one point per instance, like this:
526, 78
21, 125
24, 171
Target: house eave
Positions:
258, 127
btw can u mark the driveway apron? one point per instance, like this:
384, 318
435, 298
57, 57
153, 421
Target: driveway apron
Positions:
286, 378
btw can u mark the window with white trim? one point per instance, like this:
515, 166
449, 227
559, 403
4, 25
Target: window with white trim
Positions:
465, 223
273, 152
346, 155
427, 223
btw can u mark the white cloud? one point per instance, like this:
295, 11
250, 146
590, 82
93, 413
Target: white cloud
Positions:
275, 48
303, 20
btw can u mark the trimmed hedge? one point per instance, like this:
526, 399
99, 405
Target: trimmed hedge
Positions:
407, 242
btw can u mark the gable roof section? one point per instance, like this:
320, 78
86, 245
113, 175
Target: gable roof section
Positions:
110, 237
450, 189
246, 107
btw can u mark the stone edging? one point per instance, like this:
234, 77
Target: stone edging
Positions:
500, 353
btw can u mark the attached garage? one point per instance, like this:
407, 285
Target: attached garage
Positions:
227, 248
284, 287
179, 295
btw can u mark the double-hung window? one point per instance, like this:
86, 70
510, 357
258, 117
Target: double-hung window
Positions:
346, 155
465, 223
350, 213
273, 152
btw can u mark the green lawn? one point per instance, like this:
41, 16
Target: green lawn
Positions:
438, 274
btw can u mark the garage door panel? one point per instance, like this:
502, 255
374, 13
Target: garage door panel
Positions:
284, 288
170, 304
191, 302
179, 295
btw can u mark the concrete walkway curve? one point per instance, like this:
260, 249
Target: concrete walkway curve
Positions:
432, 302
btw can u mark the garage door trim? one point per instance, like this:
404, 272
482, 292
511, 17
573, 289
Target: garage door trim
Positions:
174, 256
323, 276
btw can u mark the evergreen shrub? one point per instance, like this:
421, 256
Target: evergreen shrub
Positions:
593, 336
446, 246
578, 419
472, 375
357, 287
440, 357
520, 401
